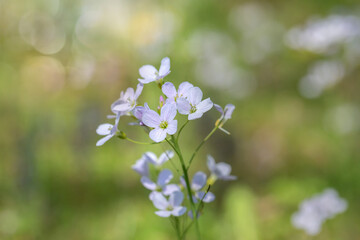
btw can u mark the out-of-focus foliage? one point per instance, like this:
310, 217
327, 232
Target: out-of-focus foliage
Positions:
290, 67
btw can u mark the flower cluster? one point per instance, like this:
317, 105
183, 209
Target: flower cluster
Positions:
314, 211
168, 192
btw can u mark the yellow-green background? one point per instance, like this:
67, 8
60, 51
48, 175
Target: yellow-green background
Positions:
63, 62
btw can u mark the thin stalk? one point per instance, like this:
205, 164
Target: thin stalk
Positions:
200, 145
177, 227
176, 148
138, 142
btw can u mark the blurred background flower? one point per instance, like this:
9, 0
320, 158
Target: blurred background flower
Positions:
291, 68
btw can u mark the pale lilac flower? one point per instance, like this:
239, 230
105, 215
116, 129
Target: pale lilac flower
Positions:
127, 100
138, 112
219, 170
178, 97
225, 115
315, 210
150, 74
164, 157
197, 184
195, 107
169, 207
108, 130
163, 124
226, 112
142, 166
161, 184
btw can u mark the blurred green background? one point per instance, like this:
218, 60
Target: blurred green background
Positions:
290, 67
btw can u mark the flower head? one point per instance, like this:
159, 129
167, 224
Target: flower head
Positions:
197, 184
226, 112
161, 184
141, 166
127, 100
163, 124
169, 207
178, 96
219, 170
138, 112
192, 105
150, 74
164, 157
106, 129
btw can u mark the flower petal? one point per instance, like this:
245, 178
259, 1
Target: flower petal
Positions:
148, 72
147, 183
164, 177
222, 169
169, 90
164, 67
103, 140
129, 93
229, 108
122, 106
147, 80
183, 106
172, 127
209, 197
157, 134
170, 188
141, 166
168, 112
163, 213
151, 118
198, 181
151, 157
165, 156
204, 105
178, 211
159, 201
104, 129
195, 96
184, 88
219, 108
139, 89
211, 163
195, 115
176, 199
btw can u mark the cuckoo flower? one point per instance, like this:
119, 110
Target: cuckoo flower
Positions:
169, 207
138, 112
153, 159
178, 97
196, 108
197, 184
225, 115
161, 185
218, 170
163, 124
150, 74
141, 166
127, 100
108, 130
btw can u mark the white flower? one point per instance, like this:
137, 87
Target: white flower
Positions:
164, 157
163, 124
314, 211
197, 184
108, 130
150, 74
141, 166
178, 97
127, 100
161, 184
219, 170
193, 106
226, 112
169, 207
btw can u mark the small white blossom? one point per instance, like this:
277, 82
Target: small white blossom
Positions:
141, 166
169, 207
314, 211
108, 130
163, 124
161, 184
150, 74
164, 157
197, 184
219, 170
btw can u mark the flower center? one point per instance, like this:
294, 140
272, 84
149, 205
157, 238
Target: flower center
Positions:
164, 124
193, 109
169, 208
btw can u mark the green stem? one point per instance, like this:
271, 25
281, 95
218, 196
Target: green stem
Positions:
177, 227
138, 142
200, 145
176, 148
